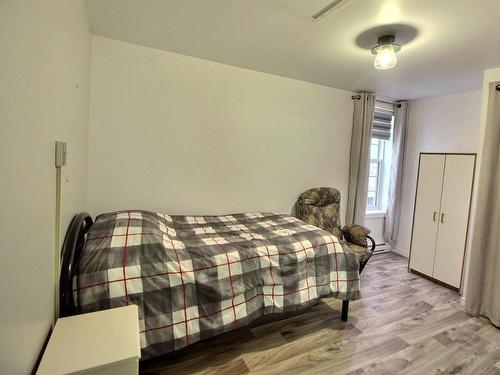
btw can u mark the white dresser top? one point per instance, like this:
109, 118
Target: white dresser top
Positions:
92, 340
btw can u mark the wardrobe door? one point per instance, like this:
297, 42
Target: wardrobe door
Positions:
426, 215
454, 216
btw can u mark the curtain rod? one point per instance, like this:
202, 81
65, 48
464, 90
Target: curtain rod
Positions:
497, 88
398, 105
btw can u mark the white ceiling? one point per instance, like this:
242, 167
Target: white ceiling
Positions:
456, 40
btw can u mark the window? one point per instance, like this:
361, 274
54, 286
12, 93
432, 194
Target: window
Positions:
380, 158
374, 176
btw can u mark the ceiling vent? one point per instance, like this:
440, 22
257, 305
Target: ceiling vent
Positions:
329, 9
304, 9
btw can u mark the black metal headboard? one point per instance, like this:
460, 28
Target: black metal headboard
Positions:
72, 248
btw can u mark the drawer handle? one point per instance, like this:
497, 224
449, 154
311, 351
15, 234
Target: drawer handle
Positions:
434, 216
442, 218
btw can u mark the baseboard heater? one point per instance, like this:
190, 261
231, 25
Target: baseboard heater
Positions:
382, 247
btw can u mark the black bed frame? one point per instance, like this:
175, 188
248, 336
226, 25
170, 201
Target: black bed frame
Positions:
74, 242
72, 248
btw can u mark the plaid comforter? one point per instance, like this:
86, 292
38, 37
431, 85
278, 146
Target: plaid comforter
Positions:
194, 277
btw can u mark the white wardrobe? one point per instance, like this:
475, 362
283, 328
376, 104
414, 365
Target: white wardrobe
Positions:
441, 216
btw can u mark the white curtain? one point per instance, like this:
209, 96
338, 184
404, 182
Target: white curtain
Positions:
401, 114
364, 109
482, 295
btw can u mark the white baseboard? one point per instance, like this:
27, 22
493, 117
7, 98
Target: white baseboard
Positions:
401, 252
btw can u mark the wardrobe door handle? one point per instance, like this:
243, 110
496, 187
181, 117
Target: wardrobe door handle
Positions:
442, 218
434, 216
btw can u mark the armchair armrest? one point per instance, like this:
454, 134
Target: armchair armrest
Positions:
372, 243
356, 234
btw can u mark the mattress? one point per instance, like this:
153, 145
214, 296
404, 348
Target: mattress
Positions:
194, 277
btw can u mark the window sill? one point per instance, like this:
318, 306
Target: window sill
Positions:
376, 214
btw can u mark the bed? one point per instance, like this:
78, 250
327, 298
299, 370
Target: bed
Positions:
194, 277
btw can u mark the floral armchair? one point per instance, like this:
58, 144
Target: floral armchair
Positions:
321, 207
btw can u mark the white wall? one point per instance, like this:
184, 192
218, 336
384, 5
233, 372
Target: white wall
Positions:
45, 54
182, 135
439, 124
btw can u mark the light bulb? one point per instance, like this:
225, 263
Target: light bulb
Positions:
386, 57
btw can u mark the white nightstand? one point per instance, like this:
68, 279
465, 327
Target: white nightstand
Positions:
103, 342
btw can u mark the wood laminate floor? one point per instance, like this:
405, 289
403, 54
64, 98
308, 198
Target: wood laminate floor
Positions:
404, 324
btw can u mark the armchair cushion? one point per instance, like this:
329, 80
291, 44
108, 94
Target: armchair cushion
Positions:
356, 234
320, 197
321, 217
320, 207
361, 252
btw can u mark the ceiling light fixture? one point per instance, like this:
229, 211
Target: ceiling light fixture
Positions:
385, 52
